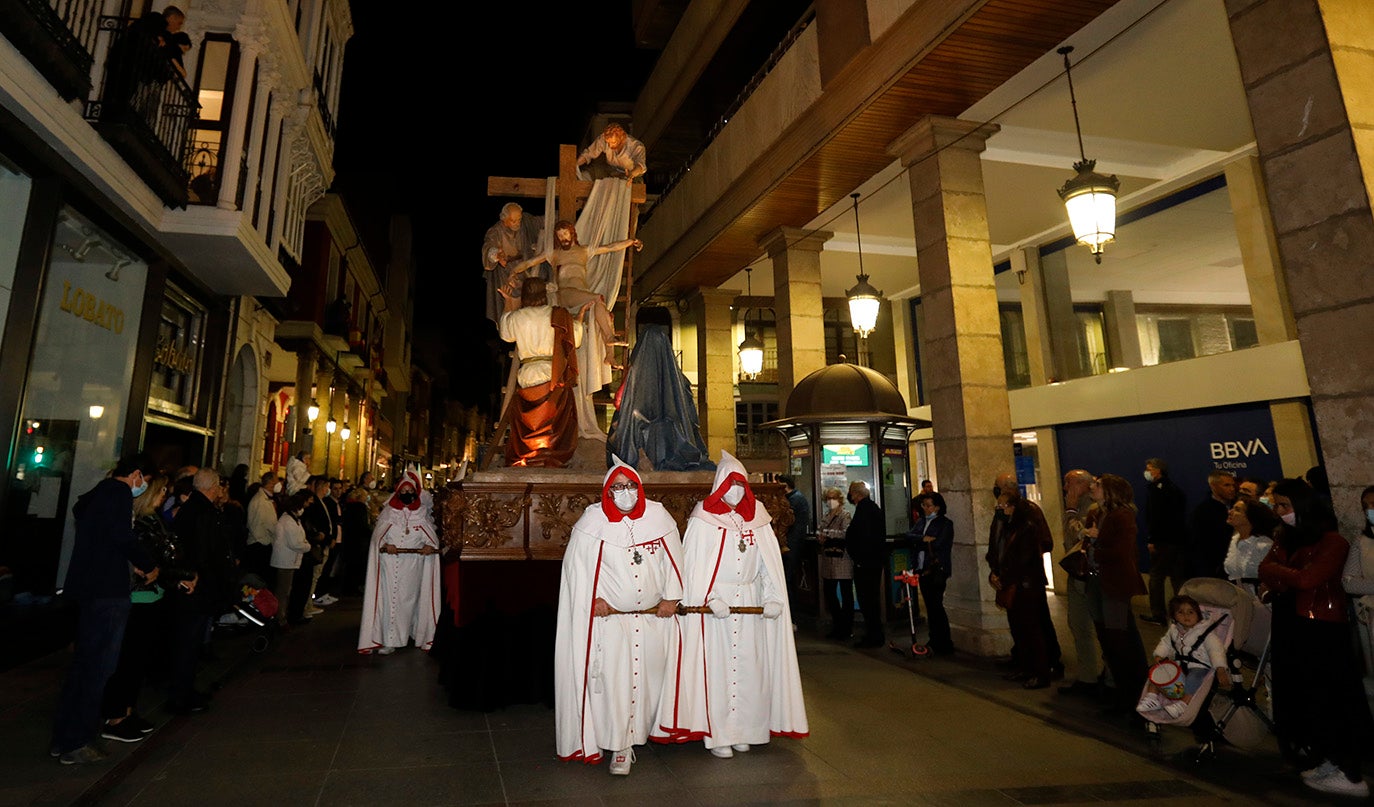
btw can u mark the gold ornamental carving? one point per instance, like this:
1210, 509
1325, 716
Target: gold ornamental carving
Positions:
487, 520
557, 513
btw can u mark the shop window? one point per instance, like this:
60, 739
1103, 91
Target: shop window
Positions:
177, 356
1015, 355
840, 339
752, 441
76, 394
1092, 340
1172, 333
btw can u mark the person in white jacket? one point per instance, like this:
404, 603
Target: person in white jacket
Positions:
262, 527
288, 545
297, 472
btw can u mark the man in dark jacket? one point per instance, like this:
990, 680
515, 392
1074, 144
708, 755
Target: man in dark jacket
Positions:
866, 540
997, 539
796, 535
1166, 530
206, 552
98, 580
1208, 528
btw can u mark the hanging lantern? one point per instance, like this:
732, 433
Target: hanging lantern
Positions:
1089, 197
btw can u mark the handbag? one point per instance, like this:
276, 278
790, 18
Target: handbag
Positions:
1006, 595
1075, 562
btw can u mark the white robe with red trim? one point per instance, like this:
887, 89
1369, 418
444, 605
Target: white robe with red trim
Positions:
609, 671
739, 681
401, 593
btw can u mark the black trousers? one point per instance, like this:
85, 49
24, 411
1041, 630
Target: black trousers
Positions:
933, 592
868, 583
839, 603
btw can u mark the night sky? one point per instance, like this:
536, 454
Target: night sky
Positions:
433, 104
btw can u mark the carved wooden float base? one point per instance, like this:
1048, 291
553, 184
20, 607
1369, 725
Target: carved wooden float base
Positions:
528, 513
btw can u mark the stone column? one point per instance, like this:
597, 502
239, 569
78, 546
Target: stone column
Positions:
269, 164
267, 76
305, 377
903, 348
1051, 285
715, 369
961, 345
1308, 62
1123, 337
248, 35
796, 257
1025, 263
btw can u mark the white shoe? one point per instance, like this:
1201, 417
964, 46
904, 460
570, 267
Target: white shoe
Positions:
1149, 703
327, 599
722, 752
621, 762
741, 747
1175, 708
1325, 769
1338, 784
385, 651
311, 610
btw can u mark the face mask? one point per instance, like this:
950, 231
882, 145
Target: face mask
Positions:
734, 495
834, 504
1264, 500
996, 491
276, 487
1149, 477
138, 491
1369, 515
372, 485
625, 500
1291, 519
406, 498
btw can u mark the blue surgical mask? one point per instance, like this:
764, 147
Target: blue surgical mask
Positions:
1264, 500
138, 491
1369, 515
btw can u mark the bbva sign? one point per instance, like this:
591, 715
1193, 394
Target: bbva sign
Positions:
1233, 449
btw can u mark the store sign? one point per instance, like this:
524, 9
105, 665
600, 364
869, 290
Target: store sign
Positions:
856, 454
176, 358
83, 304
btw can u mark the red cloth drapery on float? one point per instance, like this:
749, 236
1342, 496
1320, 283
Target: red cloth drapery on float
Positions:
543, 425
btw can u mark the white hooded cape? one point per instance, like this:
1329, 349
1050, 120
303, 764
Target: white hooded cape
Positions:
738, 681
609, 671
401, 593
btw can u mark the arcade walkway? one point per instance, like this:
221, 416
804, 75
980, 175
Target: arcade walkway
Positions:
309, 722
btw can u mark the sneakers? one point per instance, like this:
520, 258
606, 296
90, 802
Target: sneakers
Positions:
1335, 782
1325, 769
313, 611
621, 762
138, 723
1175, 708
722, 752
385, 651
326, 599
741, 747
1150, 702
89, 753
123, 731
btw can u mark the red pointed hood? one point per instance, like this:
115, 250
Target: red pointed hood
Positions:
729, 471
619, 470
409, 480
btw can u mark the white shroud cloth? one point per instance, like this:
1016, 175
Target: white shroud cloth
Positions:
609, 671
738, 681
401, 594
605, 219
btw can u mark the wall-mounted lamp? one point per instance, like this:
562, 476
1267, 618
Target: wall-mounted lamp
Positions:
97, 411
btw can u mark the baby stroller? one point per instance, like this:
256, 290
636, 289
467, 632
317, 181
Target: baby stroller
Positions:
1242, 625
254, 611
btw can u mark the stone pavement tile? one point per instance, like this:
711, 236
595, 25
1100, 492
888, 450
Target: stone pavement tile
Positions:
574, 801
448, 784
780, 761
672, 798
224, 726
522, 716
533, 744
527, 780
834, 792
366, 718
253, 757
404, 748
232, 791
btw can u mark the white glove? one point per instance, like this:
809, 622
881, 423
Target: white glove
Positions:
772, 610
718, 608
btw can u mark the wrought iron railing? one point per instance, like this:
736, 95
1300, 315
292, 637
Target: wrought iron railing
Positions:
148, 98
202, 165
322, 101
57, 36
760, 444
753, 84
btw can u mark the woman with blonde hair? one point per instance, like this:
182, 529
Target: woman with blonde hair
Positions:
837, 570
1110, 540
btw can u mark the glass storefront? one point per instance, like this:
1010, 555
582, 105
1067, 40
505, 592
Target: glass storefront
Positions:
14, 208
76, 396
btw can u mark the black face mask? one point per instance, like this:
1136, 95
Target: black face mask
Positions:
996, 491
406, 498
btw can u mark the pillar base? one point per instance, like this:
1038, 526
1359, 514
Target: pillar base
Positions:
978, 627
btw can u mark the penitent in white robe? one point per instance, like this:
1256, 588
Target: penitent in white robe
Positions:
401, 593
609, 671
738, 681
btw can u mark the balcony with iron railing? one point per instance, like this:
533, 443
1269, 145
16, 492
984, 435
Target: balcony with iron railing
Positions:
58, 37
755, 445
145, 109
322, 102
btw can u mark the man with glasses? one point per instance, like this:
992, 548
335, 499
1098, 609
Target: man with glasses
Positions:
617, 630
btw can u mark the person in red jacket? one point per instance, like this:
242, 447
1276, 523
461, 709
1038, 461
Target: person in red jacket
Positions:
1319, 704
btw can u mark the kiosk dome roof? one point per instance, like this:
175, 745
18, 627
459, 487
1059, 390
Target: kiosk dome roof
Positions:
848, 391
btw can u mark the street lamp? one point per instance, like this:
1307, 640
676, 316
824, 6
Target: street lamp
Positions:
330, 426
864, 300
345, 432
312, 411
751, 349
1089, 197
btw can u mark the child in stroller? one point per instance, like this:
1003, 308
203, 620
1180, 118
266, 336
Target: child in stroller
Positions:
1186, 658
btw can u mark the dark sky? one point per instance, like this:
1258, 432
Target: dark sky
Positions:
434, 103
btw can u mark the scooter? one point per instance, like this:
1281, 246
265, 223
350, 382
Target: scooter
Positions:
912, 581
